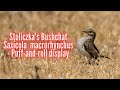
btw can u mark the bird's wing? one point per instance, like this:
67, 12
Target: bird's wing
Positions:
91, 49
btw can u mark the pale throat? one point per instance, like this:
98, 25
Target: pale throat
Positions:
91, 37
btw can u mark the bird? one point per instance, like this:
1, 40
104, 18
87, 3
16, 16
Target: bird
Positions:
36, 73
87, 47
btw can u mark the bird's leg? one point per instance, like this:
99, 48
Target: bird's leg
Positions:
97, 62
89, 61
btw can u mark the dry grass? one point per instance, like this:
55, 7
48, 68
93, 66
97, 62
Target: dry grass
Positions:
106, 25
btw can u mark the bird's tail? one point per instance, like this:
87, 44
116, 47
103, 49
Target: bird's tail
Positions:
105, 57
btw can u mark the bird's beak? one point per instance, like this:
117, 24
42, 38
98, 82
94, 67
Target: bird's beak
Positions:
84, 31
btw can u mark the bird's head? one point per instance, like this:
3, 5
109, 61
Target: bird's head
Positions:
90, 32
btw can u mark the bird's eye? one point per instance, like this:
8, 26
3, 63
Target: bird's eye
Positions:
90, 32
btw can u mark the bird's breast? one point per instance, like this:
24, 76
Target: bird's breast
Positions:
81, 48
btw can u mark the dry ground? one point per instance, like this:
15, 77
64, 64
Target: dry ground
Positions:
106, 25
